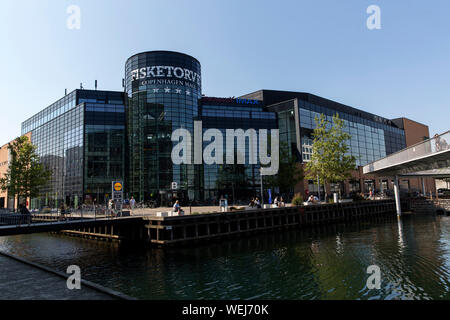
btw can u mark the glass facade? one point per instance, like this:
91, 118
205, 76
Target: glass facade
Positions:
240, 180
55, 110
163, 89
104, 144
80, 139
59, 144
370, 139
286, 125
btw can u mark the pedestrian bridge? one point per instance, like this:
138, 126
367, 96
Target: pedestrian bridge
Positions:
427, 158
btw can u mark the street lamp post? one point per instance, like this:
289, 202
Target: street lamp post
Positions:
63, 194
262, 190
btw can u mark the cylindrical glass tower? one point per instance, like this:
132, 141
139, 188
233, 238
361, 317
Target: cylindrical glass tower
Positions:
163, 89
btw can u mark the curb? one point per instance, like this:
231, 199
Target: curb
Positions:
89, 284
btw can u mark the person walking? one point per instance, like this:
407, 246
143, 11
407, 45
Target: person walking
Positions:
258, 204
26, 213
132, 203
62, 212
252, 203
223, 204
281, 202
110, 207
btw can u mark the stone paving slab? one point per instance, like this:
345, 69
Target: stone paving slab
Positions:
20, 281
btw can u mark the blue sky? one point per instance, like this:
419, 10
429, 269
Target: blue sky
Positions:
321, 46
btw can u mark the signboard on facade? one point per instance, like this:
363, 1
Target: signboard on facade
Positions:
166, 75
232, 100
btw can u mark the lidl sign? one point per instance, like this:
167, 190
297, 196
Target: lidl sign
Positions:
118, 186
117, 191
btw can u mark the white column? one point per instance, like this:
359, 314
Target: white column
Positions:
423, 186
436, 189
397, 197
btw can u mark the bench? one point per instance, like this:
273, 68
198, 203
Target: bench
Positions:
169, 214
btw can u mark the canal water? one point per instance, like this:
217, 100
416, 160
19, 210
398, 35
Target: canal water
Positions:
328, 262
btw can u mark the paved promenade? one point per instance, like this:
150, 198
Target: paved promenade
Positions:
139, 212
203, 209
22, 281
153, 211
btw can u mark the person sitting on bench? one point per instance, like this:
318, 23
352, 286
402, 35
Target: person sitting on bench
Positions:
177, 208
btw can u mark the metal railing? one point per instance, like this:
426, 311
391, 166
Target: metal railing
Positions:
15, 219
82, 212
21, 220
95, 212
435, 145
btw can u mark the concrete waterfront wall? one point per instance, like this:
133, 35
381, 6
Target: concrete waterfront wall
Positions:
191, 228
435, 206
133, 230
185, 229
442, 204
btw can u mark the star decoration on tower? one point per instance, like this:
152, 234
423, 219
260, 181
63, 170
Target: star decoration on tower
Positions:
178, 91
188, 92
167, 90
155, 90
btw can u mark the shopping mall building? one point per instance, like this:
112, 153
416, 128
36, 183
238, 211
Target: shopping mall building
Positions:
89, 138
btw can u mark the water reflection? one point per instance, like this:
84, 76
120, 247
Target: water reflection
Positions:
401, 243
318, 263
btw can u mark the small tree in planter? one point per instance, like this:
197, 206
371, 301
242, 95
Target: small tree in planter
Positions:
297, 200
330, 161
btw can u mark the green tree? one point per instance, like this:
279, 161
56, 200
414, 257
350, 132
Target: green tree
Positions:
289, 173
25, 174
330, 160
